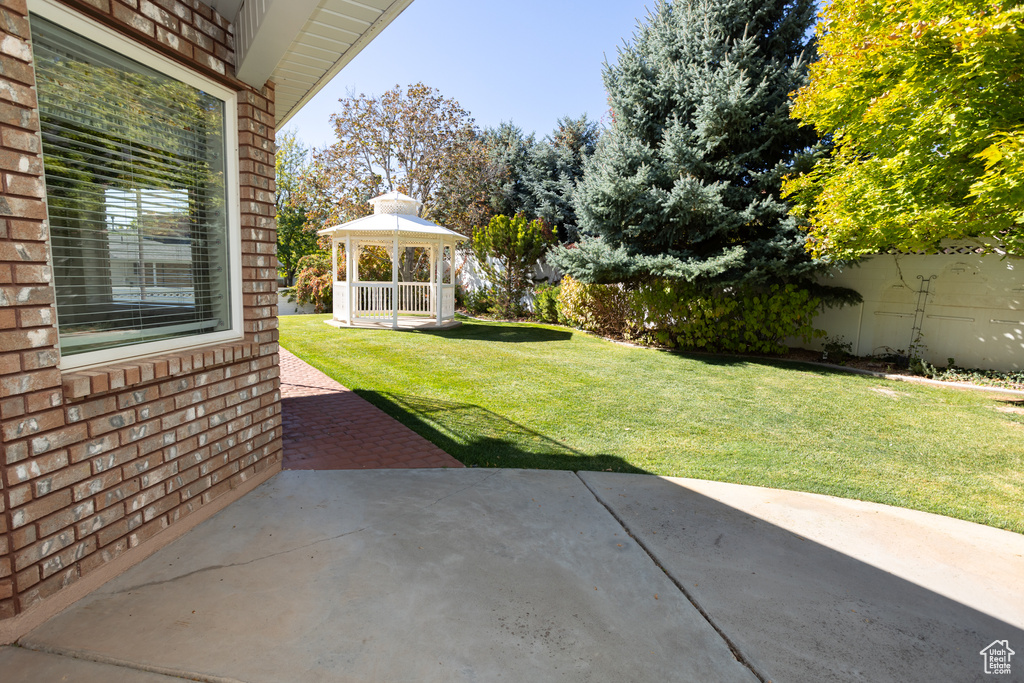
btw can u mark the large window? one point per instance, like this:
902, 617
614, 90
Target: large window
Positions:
138, 182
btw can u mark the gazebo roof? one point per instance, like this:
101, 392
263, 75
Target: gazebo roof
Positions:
393, 212
395, 202
405, 225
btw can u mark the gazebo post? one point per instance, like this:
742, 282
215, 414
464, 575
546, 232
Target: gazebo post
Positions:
430, 289
334, 259
394, 283
439, 270
350, 273
334, 273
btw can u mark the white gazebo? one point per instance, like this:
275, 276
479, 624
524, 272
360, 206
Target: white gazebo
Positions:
421, 289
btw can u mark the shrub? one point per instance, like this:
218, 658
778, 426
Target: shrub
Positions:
545, 303
678, 315
314, 284
836, 349
514, 245
733, 320
995, 378
480, 301
603, 309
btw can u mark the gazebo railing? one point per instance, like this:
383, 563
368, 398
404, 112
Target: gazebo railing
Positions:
375, 299
416, 298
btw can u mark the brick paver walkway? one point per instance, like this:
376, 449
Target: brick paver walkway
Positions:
328, 427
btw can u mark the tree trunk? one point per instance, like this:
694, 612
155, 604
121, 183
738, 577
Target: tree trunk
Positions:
407, 264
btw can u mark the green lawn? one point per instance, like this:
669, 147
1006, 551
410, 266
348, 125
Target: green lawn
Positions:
517, 395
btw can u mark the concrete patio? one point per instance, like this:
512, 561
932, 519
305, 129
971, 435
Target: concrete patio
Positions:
341, 571
481, 575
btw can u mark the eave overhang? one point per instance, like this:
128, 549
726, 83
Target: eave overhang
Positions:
301, 45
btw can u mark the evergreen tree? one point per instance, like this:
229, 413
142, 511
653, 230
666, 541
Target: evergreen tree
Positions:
510, 154
507, 250
538, 178
554, 170
685, 183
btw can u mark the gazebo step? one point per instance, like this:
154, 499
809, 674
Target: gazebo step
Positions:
403, 324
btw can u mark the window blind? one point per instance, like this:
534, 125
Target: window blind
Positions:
135, 182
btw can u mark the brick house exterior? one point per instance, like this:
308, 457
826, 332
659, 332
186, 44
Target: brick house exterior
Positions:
101, 466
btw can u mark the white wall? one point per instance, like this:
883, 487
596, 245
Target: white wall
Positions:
973, 310
472, 276
285, 307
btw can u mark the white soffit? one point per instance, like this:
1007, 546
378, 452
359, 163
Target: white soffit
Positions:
226, 8
301, 45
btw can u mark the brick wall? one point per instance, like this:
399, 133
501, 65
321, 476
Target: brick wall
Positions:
97, 462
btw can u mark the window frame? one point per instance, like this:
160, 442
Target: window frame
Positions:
127, 47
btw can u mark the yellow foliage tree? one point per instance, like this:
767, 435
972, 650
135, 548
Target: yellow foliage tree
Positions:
924, 101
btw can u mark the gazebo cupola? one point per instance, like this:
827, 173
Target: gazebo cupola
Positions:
393, 267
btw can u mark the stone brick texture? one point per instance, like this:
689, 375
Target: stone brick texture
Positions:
329, 427
96, 462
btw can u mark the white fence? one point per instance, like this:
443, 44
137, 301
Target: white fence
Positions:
285, 307
472, 277
960, 305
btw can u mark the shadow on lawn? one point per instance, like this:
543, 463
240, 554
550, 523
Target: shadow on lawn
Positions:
477, 436
486, 331
738, 360
500, 332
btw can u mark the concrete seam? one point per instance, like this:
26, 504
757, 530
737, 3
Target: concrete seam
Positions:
740, 657
148, 668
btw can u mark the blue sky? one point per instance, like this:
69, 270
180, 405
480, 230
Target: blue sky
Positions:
528, 61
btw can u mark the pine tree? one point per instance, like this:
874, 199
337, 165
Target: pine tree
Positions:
538, 178
685, 183
509, 151
555, 168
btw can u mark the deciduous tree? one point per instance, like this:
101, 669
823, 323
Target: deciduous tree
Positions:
295, 236
925, 102
410, 141
462, 200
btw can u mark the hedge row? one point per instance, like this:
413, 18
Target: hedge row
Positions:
677, 315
